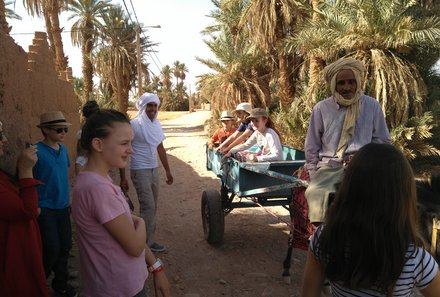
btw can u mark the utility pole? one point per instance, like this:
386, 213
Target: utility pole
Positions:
139, 59
190, 99
139, 56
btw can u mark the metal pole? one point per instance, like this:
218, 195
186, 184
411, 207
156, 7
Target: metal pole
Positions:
139, 60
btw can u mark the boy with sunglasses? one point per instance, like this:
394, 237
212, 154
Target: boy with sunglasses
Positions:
52, 169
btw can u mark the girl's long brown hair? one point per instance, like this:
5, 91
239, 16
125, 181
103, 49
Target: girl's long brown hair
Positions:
270, 124
372, 221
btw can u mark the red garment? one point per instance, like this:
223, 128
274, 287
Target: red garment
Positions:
299, 213
21, 260
221, 135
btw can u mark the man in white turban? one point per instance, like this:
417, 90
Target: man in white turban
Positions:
339, 126
147, 144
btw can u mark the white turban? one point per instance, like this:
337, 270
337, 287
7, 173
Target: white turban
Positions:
353, 105
151, 129
143, 100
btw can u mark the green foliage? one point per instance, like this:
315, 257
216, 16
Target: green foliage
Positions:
9, 13
412, 137
383, 34
78, 86
88, 14
292, 123
240, 73
105, 95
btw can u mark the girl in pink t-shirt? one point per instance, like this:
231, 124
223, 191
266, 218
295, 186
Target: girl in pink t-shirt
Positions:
112, 242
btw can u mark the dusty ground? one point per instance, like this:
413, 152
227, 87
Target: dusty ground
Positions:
248, 263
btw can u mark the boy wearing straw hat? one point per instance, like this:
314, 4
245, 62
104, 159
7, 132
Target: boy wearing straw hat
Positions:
52, 168
223, 133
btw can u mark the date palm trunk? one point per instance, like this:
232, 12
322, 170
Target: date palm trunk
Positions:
48, 24
286, 65
61, 59
87, 66
315, 64
120, 87
286, 80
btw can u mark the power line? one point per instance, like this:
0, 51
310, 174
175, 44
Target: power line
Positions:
67, 31
134, 11
143, 33
128, 12
137, 20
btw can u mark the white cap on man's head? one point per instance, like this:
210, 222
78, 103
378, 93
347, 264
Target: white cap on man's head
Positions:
247, 107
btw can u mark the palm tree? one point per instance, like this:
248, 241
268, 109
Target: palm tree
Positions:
176, 71
78, 87
166, 86
10, 14
84, 33
180, 92
51, 10
165, 74
241, 72
153, 85
316, 64
7, 13
179, 71
116, 54
381, 33
269, 23
227, 16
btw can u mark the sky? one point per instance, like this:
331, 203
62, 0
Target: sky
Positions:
179, 37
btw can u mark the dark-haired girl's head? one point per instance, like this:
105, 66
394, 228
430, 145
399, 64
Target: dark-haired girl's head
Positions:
89, 108
379, 185
99, 125
373, 220
108, 133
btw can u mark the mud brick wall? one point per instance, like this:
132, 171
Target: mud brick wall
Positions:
29, 86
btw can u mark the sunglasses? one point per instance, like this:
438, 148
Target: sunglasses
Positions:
60, 130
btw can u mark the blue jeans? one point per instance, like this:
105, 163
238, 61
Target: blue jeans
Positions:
141, 294
56, 235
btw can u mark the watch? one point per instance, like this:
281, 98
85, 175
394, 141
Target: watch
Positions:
155, 266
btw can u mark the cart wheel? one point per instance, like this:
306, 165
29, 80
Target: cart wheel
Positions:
212, 217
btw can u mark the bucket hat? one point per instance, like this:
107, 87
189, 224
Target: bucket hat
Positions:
247, 107
52, 118
258, 113
226, 115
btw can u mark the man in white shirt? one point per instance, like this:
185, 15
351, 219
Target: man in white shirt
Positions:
147, 144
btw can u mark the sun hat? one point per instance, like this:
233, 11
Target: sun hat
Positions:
52, 118
258, 113
247, 107
226, 115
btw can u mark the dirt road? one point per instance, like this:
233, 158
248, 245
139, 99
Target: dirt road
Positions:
249, 263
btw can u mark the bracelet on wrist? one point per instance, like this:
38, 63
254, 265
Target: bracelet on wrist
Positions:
160, 269
155, 266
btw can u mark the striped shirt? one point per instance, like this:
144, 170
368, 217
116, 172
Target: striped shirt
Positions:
418, 272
